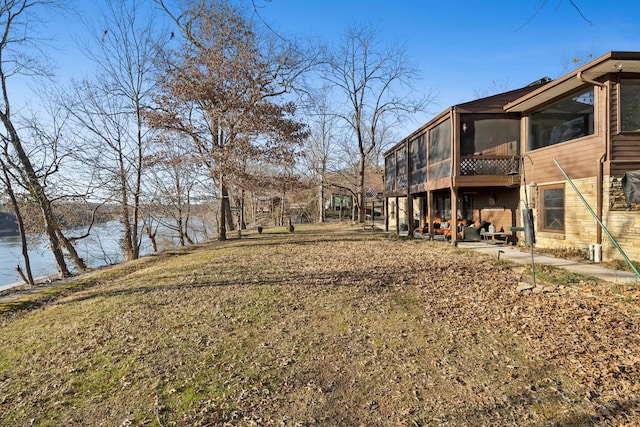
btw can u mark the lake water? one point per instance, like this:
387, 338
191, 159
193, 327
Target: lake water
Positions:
99, 249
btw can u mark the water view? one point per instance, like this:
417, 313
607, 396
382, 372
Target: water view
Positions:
99, 249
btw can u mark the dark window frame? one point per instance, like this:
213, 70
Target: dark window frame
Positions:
621, 108
545, 221
555, 123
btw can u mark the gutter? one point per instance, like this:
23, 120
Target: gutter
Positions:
580, 77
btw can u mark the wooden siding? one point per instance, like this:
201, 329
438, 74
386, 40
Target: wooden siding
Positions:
619, 168
480, 181
579, 158
613, 113
624, 152
625, 147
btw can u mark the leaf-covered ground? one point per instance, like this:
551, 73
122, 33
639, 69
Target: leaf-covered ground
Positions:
322, 327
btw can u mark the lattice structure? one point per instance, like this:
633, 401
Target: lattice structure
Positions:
480, 166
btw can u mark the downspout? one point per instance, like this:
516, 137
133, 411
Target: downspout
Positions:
599, 196
601, 160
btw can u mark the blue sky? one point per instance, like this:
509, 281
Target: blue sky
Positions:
465, 49
472, 48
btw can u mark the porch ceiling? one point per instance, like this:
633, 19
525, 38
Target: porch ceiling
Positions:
613, 62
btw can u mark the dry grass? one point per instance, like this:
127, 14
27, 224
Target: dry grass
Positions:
327, 326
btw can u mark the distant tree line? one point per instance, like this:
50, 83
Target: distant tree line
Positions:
191, 103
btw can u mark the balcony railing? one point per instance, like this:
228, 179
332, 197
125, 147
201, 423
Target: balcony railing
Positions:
483, 164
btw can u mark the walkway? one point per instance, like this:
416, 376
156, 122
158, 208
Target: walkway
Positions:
510, 253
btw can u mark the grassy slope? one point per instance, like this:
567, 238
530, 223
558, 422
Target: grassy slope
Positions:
319, 328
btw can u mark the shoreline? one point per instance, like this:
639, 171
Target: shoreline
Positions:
38, 281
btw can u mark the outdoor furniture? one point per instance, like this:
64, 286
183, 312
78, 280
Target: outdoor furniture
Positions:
496, 238
473, 233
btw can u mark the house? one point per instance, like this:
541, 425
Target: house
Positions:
576, 152
342, 189
587, 123
459, 159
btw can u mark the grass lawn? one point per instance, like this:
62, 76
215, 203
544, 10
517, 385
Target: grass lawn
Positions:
329, 326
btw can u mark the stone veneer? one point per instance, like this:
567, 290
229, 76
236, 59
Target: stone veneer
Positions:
581, 227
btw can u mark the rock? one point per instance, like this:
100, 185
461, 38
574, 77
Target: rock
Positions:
523, 286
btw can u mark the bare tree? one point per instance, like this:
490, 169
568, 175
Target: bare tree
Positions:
220, 88
17, 41
541, 5
109, 109
175, 176
6, 180
320, 146
376, 81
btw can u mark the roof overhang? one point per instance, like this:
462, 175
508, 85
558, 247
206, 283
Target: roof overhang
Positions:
612, 62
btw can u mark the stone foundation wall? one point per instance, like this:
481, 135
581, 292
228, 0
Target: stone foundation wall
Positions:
623, 224
581, 228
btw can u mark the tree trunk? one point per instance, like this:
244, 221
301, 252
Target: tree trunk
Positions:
51, 230
242, 222
222, 224
282, 207
127, 238
321, 216
152, 238
139, 165
28, 276
227, 210
73, 254
360, 196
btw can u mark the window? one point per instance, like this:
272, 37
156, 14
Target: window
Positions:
630, 105
564, 120
552, 209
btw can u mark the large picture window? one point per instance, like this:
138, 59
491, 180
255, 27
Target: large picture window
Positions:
552, 208
569, 118
630, 105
